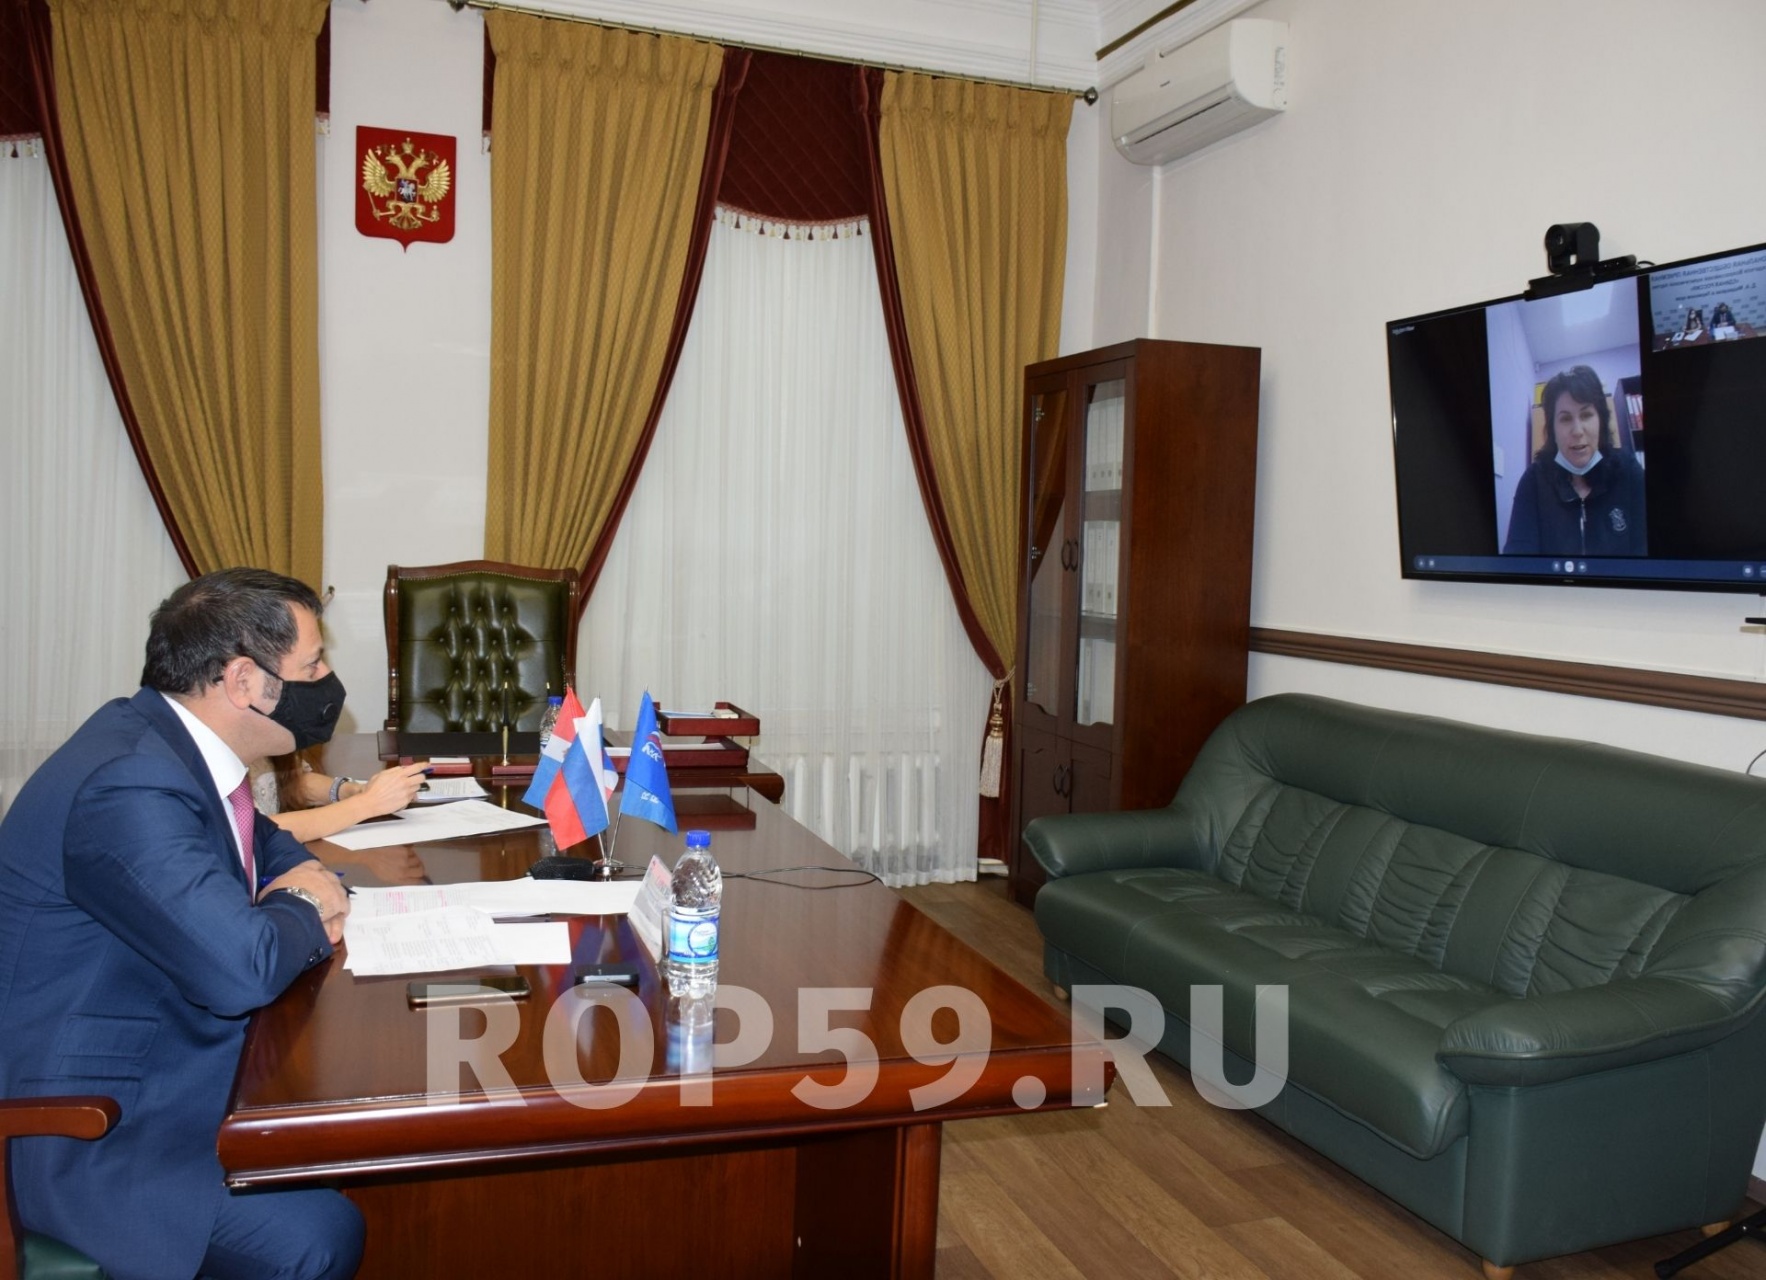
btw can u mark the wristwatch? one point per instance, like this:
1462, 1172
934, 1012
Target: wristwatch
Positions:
337, 785
305, 895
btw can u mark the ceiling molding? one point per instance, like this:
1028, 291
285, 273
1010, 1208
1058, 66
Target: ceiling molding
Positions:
1120, 16
988, 39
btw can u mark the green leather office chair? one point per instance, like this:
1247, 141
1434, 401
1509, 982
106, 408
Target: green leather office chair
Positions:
457, 634
25, 1255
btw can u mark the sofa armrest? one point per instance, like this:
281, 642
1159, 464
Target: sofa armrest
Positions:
1541, 1039
1073, 844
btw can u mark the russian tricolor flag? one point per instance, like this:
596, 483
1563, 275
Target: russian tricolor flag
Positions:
576, 802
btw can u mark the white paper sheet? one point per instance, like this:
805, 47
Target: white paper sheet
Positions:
525, 896
452, 938
441, 822
441, 790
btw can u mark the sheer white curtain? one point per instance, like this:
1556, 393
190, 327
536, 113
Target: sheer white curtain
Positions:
86, 555
776, 555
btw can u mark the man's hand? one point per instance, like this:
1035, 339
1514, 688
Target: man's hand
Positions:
320, 881
392, 789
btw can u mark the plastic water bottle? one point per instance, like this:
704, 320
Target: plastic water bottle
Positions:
692, 920
549, 717
691, 1051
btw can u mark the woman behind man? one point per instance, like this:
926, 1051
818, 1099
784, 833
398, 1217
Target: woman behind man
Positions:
1578, 498
313, 806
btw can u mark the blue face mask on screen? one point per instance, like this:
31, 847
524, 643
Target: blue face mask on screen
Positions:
1582, 470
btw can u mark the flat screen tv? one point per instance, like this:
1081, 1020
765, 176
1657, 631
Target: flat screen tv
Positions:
1613, 436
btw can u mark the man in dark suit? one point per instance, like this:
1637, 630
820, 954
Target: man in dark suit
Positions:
145, 911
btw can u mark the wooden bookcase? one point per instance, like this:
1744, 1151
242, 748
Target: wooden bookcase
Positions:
1135, 519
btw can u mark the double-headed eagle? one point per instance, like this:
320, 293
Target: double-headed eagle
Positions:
399, 197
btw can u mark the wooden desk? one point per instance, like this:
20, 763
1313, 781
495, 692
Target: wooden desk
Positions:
334, 1085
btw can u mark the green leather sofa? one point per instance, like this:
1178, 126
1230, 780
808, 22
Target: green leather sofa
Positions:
1524, 974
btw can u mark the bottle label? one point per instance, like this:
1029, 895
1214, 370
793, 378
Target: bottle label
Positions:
692, 938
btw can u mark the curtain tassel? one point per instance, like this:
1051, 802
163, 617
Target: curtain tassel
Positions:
994, 749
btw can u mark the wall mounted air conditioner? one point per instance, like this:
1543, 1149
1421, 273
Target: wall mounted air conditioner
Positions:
1197, 93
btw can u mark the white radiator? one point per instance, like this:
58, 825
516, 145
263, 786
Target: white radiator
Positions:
880, 810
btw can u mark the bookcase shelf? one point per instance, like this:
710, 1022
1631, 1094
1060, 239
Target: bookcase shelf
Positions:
1139, 466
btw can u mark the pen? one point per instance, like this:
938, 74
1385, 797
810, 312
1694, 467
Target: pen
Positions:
346, 888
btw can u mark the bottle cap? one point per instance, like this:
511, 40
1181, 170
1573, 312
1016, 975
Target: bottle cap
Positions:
557, 700
698, 839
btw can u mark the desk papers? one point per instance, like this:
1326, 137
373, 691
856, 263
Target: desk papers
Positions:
441, 822
452, 938
525, 896
437, 928
440, 790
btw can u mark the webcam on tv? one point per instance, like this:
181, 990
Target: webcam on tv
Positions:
1569, 245
1572, 255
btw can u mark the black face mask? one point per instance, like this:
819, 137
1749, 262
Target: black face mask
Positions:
308, 709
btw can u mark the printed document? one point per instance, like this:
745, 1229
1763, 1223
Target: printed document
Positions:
439, 822
437, 928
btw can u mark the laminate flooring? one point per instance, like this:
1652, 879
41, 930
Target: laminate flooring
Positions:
1124, 1192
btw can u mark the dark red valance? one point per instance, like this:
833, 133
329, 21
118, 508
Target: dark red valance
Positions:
18, 99
797, 148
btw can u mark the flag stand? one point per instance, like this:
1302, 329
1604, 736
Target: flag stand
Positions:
606, 866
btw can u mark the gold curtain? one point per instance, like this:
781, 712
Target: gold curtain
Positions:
600, 136
976, 181
188, 127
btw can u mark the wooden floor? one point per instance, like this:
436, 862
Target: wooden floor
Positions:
1190, 1190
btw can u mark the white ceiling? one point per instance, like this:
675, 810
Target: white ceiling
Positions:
1581, 323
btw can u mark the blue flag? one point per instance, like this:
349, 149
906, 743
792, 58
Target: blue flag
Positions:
646, 776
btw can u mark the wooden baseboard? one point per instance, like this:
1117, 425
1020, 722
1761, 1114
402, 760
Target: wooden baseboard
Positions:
1711, 695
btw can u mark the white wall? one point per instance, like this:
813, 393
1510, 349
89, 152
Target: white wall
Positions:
404, 335
1427, 147
1078, 311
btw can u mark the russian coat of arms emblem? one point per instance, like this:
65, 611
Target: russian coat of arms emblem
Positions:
407, 179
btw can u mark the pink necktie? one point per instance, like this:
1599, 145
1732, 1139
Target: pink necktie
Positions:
244, 819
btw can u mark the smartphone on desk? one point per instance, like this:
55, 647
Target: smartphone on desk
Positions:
619, 973
481, 990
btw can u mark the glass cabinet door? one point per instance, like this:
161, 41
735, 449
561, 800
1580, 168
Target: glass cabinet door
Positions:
1048, 549
1099, 550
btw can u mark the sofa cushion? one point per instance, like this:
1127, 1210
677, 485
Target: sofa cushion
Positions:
1364, 1021
1503, 917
